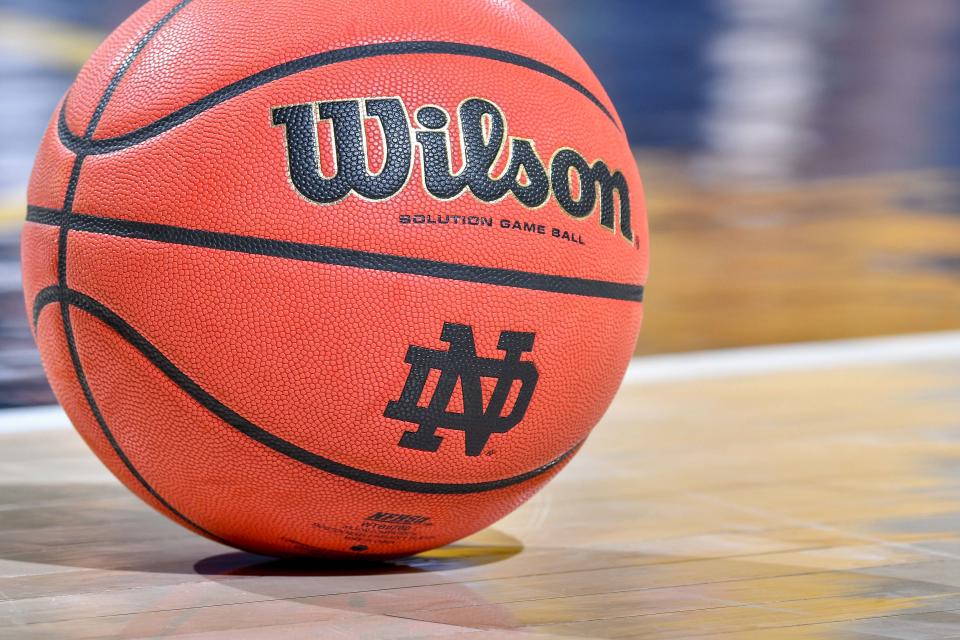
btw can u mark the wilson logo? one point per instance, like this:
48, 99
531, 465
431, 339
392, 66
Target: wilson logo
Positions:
577, 185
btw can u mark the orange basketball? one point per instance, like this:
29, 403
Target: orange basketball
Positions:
335, 278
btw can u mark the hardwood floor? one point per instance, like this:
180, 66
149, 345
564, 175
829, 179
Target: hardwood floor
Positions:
820, 502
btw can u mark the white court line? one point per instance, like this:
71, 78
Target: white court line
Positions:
702, 365
33, 419
811, 356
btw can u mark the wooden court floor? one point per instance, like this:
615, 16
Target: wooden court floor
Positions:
791, 492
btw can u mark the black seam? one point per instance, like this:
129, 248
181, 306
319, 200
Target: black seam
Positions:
107, 145
45, 215
66, 220
46, 298
342, 257
134, 338
125, 66
95, 409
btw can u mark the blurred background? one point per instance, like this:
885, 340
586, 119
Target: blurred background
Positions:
799, 157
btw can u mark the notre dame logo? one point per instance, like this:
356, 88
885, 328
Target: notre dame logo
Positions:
461, 363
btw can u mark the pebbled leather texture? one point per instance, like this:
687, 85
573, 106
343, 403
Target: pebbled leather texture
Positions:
228, 346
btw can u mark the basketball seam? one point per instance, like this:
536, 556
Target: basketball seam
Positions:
125, 66
338, 256
89, 146
71, 297
62, 277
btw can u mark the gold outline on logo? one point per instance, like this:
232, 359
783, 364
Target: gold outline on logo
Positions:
414, 127
364, 116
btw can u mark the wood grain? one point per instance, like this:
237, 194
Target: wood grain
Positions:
815, 504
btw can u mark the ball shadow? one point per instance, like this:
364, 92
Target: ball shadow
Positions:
482, 548
103, 526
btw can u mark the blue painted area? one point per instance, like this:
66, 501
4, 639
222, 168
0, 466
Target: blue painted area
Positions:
98, 14
29, 92
654, 58
946, 113
649, 56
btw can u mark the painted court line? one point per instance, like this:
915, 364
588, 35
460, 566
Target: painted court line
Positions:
32, 419
703, 365
811, 356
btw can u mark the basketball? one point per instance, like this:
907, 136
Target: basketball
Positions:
332, 278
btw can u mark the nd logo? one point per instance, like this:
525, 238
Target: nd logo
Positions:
460, 363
